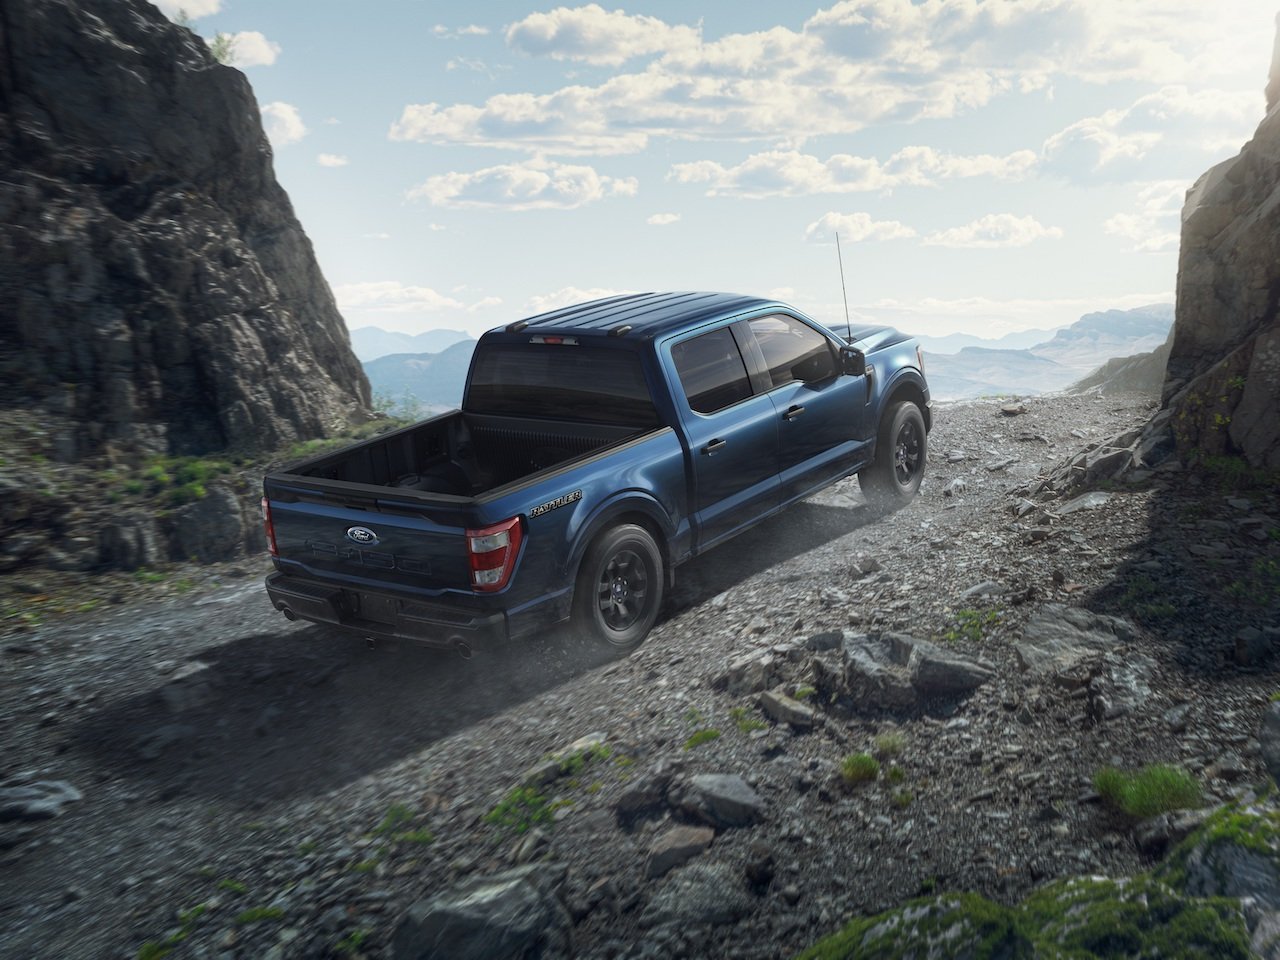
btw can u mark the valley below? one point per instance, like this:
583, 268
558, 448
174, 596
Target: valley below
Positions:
229, 784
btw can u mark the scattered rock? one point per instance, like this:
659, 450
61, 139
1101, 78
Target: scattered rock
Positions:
518, 913
784, 709
190, 687
676, 847
1253, 646
701, 894
1013, 409
36, 800
1059, 637
718, 799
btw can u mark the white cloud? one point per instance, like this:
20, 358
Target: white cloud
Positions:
595, 35
436, 227
854, 63
662, 219
855, 228
376, 236
193, 9
535, 185
1117, 139
332, 160
283, 123
779, 173
331, 121
1154, 223
470, 30
567, 296
994, 230
391, 296
485, 303
249, 48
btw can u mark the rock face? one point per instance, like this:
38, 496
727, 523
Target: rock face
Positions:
157, 293
1223, 381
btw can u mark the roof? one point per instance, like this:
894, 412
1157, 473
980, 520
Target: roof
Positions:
646, 314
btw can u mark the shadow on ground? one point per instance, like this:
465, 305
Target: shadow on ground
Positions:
299, 712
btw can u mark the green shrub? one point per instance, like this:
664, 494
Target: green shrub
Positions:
520, 810
859, 768
1144, 793
890, 744
744, 721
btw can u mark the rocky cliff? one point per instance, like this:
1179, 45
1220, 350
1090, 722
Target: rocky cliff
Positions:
1223, 382
157, 293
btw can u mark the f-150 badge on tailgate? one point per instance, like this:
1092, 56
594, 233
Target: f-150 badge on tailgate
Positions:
556, 504
362, 535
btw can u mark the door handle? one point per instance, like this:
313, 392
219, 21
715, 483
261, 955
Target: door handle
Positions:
714, 447
793, 412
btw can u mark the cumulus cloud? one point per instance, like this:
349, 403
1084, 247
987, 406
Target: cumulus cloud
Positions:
283, 123
854, 63
1116, 140
1152, 226
662, 219
332, 160
789, 173
535, 185
392, 296
192, 9
249, 48
595, 35
855, 228
567, 296
994, 230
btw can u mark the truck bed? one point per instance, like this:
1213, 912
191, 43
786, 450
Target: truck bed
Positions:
463, 455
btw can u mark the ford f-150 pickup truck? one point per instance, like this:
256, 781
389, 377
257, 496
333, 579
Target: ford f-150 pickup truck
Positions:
598, 447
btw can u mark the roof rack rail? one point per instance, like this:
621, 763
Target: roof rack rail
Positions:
517, 326
620, 330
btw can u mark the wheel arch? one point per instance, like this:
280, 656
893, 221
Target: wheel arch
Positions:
907, 386
638, 509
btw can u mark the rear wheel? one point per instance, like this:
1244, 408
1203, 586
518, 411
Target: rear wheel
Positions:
620, 587
892, 480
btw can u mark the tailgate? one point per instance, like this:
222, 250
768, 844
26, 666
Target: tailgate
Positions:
380, 541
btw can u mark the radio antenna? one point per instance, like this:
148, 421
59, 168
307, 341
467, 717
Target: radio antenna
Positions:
848, 330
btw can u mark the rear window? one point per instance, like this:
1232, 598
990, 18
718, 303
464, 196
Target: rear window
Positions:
562, 382
711, 371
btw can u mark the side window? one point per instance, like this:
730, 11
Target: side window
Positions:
793, 350
711, 371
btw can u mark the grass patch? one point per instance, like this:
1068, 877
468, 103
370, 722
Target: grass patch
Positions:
520, 810
859, 768
699, 737
902, 799
971, 625
156, 949
804, 692
1144, 793
895, 774
233, 886
745, 721
574, 763
890, 744
1236, 473
353, 941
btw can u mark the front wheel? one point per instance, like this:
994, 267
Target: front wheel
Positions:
619, 590
894, 477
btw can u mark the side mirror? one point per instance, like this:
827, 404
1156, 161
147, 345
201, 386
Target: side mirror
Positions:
853, 361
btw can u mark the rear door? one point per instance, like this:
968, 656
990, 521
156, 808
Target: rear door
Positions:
732, 434
822, 413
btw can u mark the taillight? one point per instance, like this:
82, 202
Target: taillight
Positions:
270, 527
492, 553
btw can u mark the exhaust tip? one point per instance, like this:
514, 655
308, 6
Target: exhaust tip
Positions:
461, 648
288, 613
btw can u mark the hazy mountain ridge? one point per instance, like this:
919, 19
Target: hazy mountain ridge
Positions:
1055, 364
372, 343
981, 367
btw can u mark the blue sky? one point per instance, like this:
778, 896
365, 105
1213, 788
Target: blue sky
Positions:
990, 165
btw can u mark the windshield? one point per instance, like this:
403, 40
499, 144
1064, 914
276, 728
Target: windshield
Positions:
565, 381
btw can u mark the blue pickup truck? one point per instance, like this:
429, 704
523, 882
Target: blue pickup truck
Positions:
598, 447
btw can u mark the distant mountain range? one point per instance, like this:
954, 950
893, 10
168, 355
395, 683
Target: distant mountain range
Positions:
1069, 355
370, 343
419, 381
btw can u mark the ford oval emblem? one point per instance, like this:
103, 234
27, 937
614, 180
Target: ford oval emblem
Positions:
362, 535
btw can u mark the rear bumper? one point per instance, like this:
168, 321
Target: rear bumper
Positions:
383, 614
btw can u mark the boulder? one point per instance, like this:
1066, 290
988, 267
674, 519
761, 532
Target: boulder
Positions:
1058, 638
893, 671
211, 529
516, 914
717, 799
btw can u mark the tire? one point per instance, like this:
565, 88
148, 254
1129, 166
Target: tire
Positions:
619, 591
892, 480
